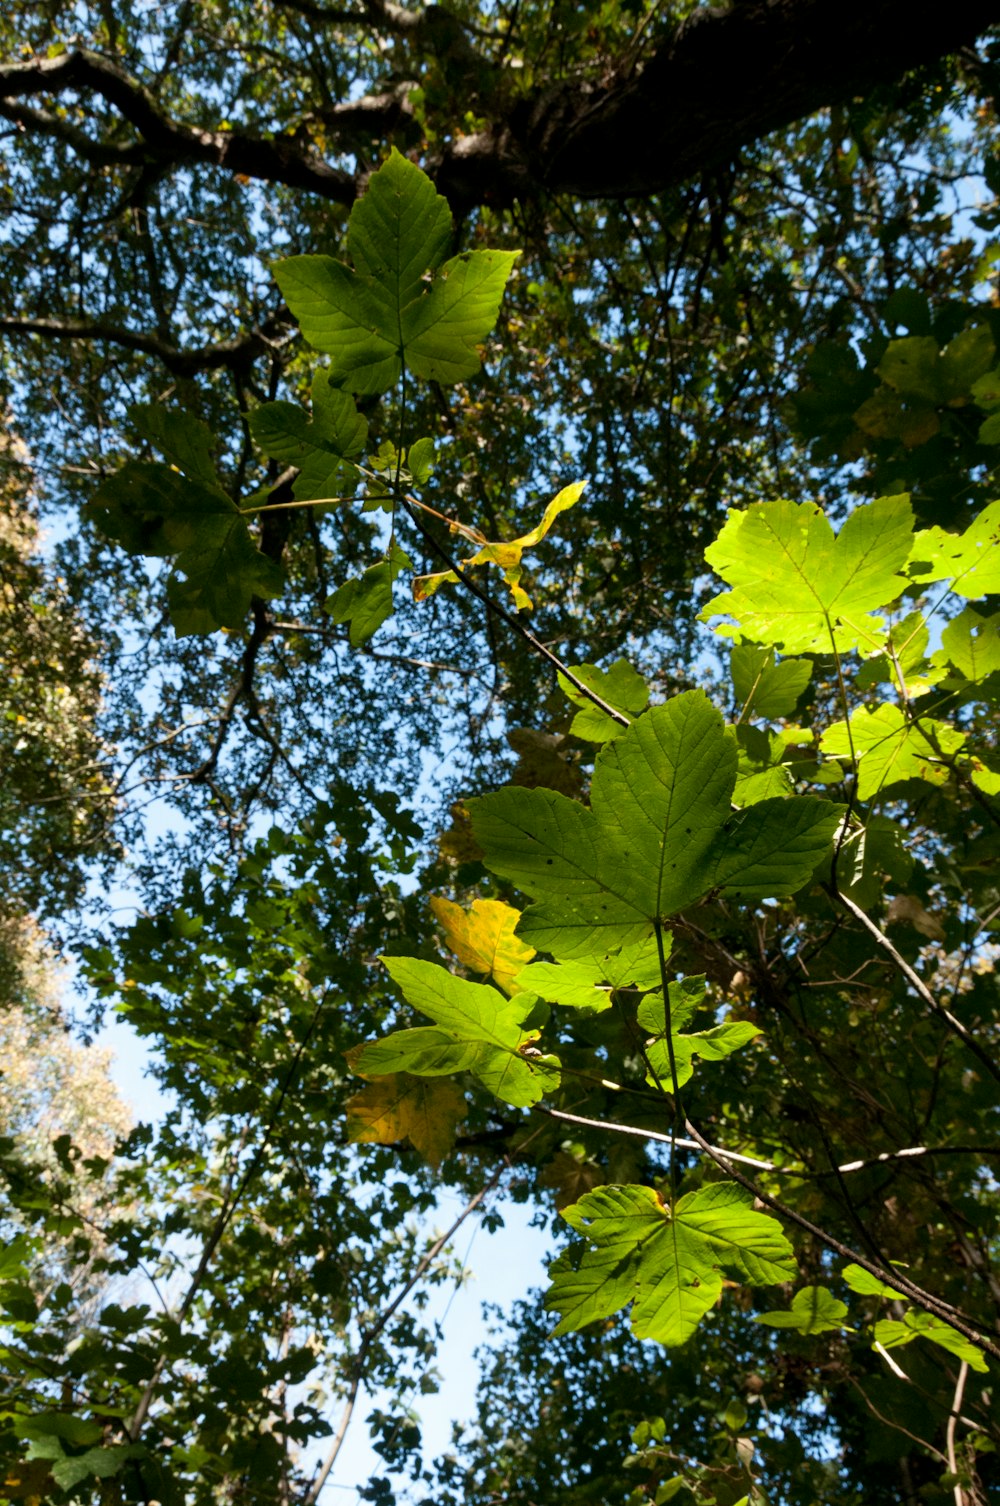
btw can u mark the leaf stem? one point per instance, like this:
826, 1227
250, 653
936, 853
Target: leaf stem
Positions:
409, 503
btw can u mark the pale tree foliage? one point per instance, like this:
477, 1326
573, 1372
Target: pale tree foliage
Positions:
55, 805
61, 1115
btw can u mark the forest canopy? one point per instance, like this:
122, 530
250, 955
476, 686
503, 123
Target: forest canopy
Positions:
498, 567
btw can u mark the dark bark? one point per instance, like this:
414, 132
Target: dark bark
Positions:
721, 81
725, 79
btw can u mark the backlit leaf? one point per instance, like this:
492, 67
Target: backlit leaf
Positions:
403, 1107
659, 835
971, 560
813, 1310
506, 555
619, 686
319, 445
478, 1031
889, 747
668, 1262
483, 940
401, 301
797, 585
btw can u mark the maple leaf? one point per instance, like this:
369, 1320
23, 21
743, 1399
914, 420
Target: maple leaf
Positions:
402, 1107
483, 939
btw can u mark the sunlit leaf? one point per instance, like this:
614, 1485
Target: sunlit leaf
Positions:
403, 1107
801, 587
667, 1261
482, 938
659, 835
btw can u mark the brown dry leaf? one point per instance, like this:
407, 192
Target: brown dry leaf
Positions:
422, 1110
458, 842
906, 907
541, 763
571, 1178
483, 938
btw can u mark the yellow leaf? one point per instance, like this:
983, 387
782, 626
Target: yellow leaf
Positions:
506, 554
422, 1110
483, 938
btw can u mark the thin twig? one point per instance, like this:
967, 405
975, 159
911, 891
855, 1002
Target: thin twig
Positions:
915, 981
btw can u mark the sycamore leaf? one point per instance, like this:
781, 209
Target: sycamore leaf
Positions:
365, 603
813, 1310
159, 510
483, 939
589, 984
507, 556
571, 1178
892, 1333
686, 995
802, 588
660, 834
476, 1030
889, 747
322, 446
620, 686
402, 1107
866, 1285
764, 688
902, 663
667, 1261
402, 302
970, 560
971, 643
761, 773
183, 440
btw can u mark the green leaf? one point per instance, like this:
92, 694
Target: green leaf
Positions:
802, 588
892, 1333
420, 460
813, 1310
78, 1431
866, 1285
971, 642
220, 581
388, 310
910, 366
660, 834
320, 446
763, 688
480, 1031
668, 1261
589, 984
760, 773
182, 439
903, 658
686, 995
152, 509
366, 603
443, 328
889, 747
710, 1045
971, 560
620, 686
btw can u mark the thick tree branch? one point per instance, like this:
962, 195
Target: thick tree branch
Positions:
281, 160
721, 81
238, 353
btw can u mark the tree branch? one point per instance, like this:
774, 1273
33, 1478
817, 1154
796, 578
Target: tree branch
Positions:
281, 160
719, 82
237, 354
